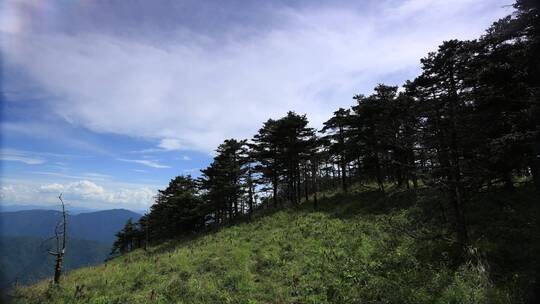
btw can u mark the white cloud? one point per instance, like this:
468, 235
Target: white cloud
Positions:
145, 162
86, 190
189, 95
170, 144
82, 193
14, 193
55, 188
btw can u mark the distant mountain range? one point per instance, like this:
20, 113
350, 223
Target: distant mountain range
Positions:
72, 209
98, 226
24, 259
23, 241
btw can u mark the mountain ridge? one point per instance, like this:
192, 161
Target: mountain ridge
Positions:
98, 226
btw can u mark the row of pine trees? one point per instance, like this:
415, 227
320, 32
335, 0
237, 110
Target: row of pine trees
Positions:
468, 123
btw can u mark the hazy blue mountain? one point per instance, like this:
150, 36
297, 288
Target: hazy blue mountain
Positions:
97, 226
101, 225
25, 259
72, 209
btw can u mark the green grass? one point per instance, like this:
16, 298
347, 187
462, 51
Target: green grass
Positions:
356, 248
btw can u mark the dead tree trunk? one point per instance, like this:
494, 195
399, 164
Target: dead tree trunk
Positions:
60, 243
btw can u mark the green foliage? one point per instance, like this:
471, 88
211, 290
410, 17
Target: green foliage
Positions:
226, 183
126, 238
177, 210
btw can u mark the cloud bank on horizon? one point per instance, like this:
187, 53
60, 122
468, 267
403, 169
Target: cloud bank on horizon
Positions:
78, 193
187, 74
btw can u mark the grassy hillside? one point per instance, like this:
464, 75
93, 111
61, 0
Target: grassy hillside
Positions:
357, 248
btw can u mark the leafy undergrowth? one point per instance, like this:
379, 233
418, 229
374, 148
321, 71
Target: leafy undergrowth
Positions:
357, 248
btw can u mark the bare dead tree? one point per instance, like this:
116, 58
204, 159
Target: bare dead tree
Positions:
60, 236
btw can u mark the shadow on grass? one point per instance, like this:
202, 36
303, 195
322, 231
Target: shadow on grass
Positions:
342, 205
367, 202
502, 224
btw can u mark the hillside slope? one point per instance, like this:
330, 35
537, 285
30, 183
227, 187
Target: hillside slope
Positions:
361, 248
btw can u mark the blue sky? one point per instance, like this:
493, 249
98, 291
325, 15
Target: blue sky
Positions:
106, 101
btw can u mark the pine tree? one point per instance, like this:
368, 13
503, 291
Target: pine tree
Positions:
179, 209
338, 131
225, 180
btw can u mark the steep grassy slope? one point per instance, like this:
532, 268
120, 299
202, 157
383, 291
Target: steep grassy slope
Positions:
361, 248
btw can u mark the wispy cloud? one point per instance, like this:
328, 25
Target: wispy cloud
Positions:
147, 151
164, 145
28, 158
53, 133
145, 162
96, 175
90, 176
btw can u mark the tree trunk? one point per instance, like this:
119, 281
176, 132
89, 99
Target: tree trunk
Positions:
461, 227
380, 180
298, 188
460, 224
250, 193
535, 172
508, 183
314, 170
146, 232
231, 207
333, 174
306, 183
60, 249
58, 268
400, 170
343, 164
275, 190
412, 170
